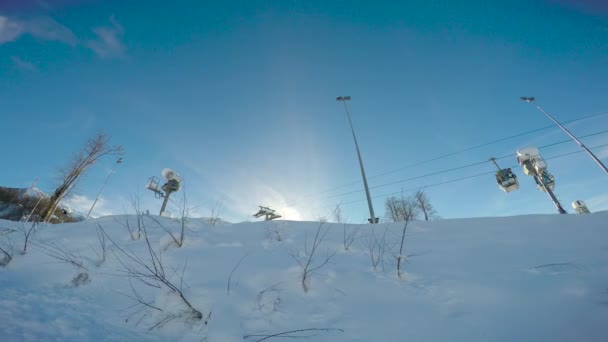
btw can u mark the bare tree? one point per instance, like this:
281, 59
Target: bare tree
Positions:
401, 209
338, 215
308, 261
409, 213
424, 205
95, 148
216, 210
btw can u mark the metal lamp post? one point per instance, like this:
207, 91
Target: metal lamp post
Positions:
532, 100
372, 219
118, 161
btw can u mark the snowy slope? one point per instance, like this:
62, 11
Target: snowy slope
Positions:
525, 278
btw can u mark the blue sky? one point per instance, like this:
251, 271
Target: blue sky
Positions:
240, 98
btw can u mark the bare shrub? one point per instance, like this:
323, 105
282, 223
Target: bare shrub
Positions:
6, 251
27, 233
307, 260
150, 271
268, 300
376, 247
216, 210
101, 238
62, 253
349, 236
273, 232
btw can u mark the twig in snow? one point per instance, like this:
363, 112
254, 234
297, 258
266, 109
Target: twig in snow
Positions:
231, 272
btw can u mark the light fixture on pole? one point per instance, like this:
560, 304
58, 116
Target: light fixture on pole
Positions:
118, 161
373, 219
532, 100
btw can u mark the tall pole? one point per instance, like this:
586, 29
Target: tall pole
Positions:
369, 197
532, 100
118, 161
548, 190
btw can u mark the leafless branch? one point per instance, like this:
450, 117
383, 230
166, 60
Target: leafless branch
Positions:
27, 233
6, 251
293, 333
231, 272
349, 236
95, 148
376, 247
308, 261
151, 272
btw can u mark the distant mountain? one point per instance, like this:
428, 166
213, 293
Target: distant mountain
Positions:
18, 203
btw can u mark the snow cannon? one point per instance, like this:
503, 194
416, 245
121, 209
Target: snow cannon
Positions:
580, 207
171, 175
172, 185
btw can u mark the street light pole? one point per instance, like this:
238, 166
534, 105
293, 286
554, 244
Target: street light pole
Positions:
369, 197
118, 161
532, 100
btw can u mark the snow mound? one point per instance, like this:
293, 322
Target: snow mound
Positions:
524, 278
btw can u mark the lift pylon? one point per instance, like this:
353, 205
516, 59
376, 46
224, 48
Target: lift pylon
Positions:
533, 164
269, 214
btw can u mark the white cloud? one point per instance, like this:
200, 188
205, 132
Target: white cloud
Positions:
23, 65
41, 27
48, 29
82, 204
108, 43
598, 203
10, 30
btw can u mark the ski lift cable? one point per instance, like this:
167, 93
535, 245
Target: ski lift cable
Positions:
459, 179
290, 202
446, 170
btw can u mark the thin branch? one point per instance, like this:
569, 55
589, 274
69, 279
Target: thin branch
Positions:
287, 333
231, 272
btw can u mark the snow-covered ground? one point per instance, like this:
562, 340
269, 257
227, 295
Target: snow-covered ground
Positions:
525, 278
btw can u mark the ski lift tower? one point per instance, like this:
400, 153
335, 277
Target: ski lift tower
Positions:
533, 165
172, 185
532, 100
269, 214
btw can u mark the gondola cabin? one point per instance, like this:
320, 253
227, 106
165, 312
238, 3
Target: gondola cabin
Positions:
507, 180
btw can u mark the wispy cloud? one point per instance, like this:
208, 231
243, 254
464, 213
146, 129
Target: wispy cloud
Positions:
108, 43
10, 30
82, 204
42, 28
48, 29
23, 65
